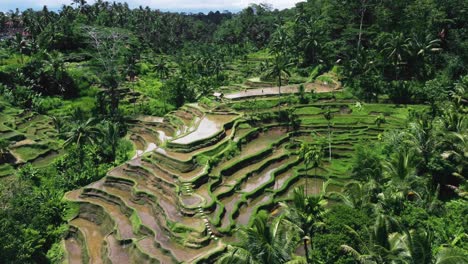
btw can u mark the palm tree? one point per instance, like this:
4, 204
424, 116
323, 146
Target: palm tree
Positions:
380, 247
162, 69
265, 241
82, 133
305, 153
395, 47
401, 171
111, 137
279, 69
316, 158
356, 194
329, 116
306, 212
421, 48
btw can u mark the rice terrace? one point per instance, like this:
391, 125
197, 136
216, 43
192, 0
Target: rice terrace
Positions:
319, 132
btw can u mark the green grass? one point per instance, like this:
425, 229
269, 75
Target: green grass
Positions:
86, 103
30, 152
6, 170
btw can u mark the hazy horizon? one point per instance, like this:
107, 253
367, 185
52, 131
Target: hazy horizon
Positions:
187, 6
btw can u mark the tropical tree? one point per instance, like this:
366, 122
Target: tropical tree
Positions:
381, 246
111, 137
307, 213
279, 70
306, 153
401, 171
108, 45
81, 133
329, 116
265, 241
356, 194
396, 48
162, 69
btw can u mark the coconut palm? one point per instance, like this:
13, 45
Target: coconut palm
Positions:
395, 47
162, 69
279, 70
357, 194
401, 171
264, 242
381, 246
404, 246
329, 116
307, 213
111, 137
307, 153
82, 133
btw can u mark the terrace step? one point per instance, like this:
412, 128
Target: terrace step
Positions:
93, 238
116, 251
74, 251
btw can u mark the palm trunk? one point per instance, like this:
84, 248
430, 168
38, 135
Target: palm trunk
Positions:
279, 87
306, 249
307, 176
329, 142
363, 11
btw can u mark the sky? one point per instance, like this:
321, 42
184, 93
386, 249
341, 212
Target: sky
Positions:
165, 5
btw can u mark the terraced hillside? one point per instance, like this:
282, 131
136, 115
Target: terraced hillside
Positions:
202, 171
31, 138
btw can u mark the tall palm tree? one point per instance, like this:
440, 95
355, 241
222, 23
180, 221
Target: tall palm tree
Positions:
329, 116
307, 213
266, 241
305, 153
395, 47
279, 69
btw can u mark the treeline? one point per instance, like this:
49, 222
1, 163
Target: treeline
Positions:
407, 51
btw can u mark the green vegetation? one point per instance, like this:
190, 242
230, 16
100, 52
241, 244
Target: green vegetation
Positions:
331, 132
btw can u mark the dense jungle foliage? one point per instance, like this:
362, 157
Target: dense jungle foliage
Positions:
88, 67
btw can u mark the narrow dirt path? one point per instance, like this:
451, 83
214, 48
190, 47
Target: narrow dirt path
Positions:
287, 89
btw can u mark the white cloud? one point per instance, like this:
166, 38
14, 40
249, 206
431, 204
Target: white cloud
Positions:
6, 5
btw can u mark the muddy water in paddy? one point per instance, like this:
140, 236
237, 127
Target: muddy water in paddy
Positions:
259, 179
165, 201
93, 237
156, 222
190, 200
246, 210
208, 126
186, 156
122, 221
73, 251
281, 179
254, 146
314, 186
203, 191
228, 206
116, 252
147, 244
